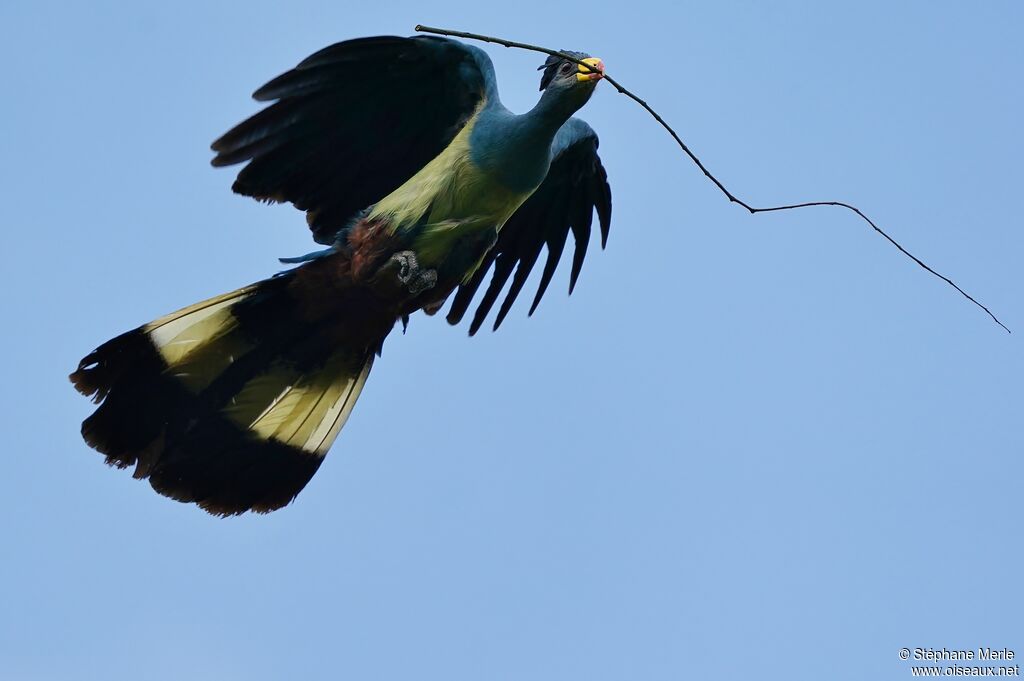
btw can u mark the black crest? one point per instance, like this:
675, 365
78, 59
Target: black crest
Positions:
553, 63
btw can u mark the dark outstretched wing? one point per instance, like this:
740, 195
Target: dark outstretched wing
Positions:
353, 122
575, 185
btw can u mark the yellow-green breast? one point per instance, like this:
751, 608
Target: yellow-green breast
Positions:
456, 197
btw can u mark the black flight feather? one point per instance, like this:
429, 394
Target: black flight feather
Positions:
576, 185
352, 122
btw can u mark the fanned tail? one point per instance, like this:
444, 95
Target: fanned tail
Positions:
233, 402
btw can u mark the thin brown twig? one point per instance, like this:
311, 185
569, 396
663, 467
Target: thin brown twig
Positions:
693, 157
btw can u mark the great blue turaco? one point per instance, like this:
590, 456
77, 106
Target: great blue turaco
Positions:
418, 182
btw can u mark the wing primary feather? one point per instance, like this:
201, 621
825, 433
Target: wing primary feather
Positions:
556, 231
581, 234
523, 270
555, 247
603, 203
464, 296
503, 266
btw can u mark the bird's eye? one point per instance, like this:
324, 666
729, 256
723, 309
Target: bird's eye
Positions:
566, 67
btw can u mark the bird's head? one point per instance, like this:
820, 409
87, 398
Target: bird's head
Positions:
568, 76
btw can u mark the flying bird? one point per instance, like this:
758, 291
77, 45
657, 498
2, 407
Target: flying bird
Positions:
418, 182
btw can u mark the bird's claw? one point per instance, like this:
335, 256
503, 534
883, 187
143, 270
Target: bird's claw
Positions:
415, 278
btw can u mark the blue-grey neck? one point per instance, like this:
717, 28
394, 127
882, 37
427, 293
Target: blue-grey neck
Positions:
517, 148
554, 108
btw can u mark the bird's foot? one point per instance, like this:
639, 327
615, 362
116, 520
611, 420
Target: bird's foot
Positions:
415, 278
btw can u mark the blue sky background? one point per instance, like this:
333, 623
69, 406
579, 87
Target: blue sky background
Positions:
747, 447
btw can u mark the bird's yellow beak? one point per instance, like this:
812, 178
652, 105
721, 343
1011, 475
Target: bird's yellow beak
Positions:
596, 74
